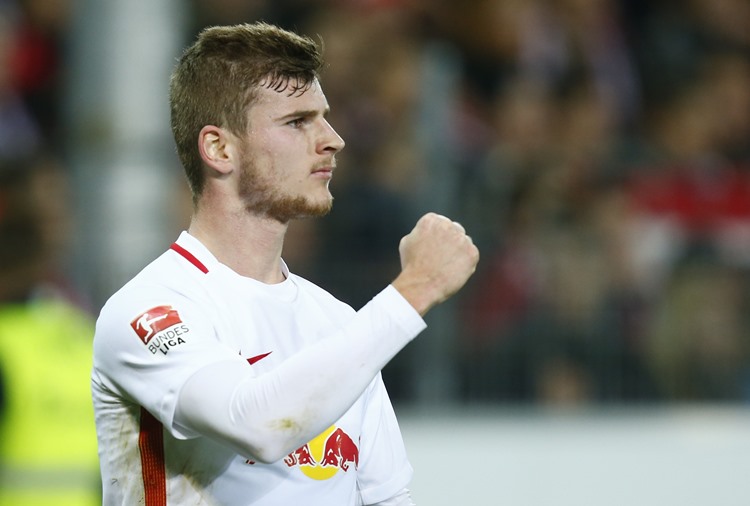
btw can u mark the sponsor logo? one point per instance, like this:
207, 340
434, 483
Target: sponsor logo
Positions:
330, 452
160, 328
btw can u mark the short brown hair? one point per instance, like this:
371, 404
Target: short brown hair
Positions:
214, 82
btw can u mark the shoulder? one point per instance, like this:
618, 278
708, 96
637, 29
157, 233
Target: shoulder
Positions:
163, 290
167, 276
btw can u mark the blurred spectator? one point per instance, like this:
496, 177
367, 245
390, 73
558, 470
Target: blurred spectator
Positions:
697, 338
37, 62
20, 133
47, 438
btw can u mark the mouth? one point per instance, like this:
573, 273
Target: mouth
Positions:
325, 171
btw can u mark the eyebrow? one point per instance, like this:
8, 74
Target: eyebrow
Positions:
305, 113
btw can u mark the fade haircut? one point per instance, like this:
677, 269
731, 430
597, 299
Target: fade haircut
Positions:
217, 77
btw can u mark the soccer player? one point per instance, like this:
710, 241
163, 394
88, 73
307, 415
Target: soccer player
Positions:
220, 377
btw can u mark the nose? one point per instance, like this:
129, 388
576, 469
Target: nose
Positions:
331, 142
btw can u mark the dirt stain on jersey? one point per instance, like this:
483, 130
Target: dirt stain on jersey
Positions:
286, 425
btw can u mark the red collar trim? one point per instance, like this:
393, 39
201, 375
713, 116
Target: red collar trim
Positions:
189, 257
257, 358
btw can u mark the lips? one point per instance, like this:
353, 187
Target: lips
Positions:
326, 171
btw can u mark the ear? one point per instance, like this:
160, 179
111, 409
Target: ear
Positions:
217, 148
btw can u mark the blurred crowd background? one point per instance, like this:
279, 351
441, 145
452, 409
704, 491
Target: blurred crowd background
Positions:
597, 151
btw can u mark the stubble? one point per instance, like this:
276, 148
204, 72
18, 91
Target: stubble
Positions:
264, 197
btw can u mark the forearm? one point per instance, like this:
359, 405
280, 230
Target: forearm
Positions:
268, 416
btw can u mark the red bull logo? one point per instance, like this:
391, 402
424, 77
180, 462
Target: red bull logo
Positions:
324, 456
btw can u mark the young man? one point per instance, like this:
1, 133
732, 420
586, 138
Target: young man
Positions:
220, 378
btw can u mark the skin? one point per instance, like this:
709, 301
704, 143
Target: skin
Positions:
280, 170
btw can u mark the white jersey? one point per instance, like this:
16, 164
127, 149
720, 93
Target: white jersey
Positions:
185, 311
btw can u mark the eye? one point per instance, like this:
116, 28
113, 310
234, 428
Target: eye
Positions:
297, 122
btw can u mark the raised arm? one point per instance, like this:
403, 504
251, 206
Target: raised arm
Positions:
267, 417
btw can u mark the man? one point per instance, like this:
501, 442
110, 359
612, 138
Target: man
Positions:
219, 376
47, 438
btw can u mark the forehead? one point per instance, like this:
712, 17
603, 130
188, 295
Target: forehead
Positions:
273, 102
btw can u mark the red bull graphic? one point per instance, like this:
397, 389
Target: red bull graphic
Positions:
340, 450
301, 456
324, 456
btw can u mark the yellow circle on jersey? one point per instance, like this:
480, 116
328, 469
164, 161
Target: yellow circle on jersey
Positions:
317, 446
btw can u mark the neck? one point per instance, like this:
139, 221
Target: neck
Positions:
249, 245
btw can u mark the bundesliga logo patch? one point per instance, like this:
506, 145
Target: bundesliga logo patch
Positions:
162, 322
153, 321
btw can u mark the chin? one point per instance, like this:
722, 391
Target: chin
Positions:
285, 210
319, 210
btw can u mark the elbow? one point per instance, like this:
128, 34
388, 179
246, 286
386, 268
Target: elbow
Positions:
269, 446
265, 454
269, 455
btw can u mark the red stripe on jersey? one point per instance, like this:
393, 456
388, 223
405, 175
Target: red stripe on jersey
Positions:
151, 445
256, 358
190, 258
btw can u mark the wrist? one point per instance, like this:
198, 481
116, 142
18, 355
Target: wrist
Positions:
416, 293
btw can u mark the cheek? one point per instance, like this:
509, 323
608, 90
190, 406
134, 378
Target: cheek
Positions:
278, 166
281, 157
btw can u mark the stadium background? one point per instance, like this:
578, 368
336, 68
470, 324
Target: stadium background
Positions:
598, 152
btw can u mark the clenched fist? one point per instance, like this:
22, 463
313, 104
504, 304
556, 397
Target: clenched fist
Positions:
437, 258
